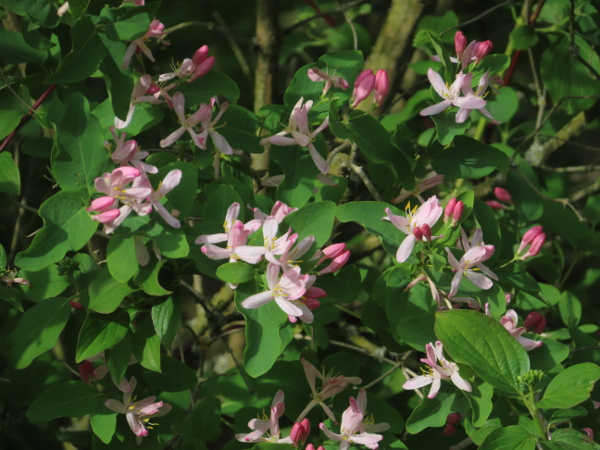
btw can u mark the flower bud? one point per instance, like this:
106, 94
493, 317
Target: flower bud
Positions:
426, 230
75, 305
529, 236
483, 48
589, 432
300, 432
460, 43
503, 195
535, 322
382, 87
495, 205
86, 371
363, 86
449, 430
418, 233
457, 213
203, 68
449, 210
101, 204
107, 216
453, 418
535, 246
200, 55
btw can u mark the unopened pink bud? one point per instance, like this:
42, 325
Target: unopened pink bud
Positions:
535, 322
589, 432
495, 205
75, 305
333, 250
418, 233
535, 246
86, 371
382, 87
107, 216
503, 195
453, 418
315, 292
483, 48
458, 211
529, 236
460, 43
363, 86
337, 263
300, 432
200, 54
426, 230
101, 204
203, 68
152, 89
449, 210
449, 430
311, 303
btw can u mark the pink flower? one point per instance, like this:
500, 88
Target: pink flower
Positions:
301, 134
237, 238
139, 94
279, 211
285, 290
230, 219
417, 220
460, 43
454, 208
155, 30
473, 257
330, 386
495, 205
363, 86
509, 321
10, 277
187, 123
452, 96
267, 425
330, 80
339, 256
352, 429
300, 432
467, 91
422, 186
382, 87
170, 182
128, 152
208, 128
483, 48
535, 238
137, 413
437, 372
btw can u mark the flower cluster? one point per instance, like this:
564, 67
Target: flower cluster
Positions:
292, 290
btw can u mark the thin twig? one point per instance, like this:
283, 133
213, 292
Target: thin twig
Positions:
291, 28
365, 179
480, 16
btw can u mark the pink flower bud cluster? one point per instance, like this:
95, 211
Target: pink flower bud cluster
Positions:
474, 52
292, 290
368, 82
533, 240
503, 196
137, 46
454, 209
192, 69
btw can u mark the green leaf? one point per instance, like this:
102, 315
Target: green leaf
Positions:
434, 412
446, 126
173, 377
549, 355
147, 279
564, 75
100, 332
212, 84
146, 346
204, 421
513, 437
15, 50
263, 342
300, 173
570, 387
523, 37
570, 309
315, 219
119, 83
104, 426
480, 400
67, 226
570, 439
117, 358
106, 293
85, 56
45, 283
67, 399
130, 23
37, 330
40, 12
236, 272
120, 256
480, 341
469, 158
78, 157
166, 317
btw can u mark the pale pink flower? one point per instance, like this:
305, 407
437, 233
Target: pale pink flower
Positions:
468, 93
417, 225
472, 258
509, 321
330, 80
279, 211
237, 238
436, 372
230, 219
301, 134
187, 123
170, 182
452, 96
128, 152
138, 413
155, 30
269, 425
138, 95
10, 278
330, 386
208, 128
286, 291
353, 429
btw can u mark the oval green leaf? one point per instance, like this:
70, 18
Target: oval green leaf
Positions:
237, 272
570, 387
100, 332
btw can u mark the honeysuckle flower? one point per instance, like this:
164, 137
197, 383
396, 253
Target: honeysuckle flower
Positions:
460, 43
128, 152
230, 219
192, 69
312, 447
300, 432
417, 219
363, 86
439, 369
208, 128
352, 429
279, 211
454, 209
62, 9
476, 240
473, 257
503, 195
155, 30
269, 425
170, 182
452, 96
87, 371
138, 95
535, 322
237, 238
465, 110
382, 87
482, 50
339, 256
138, 413
187, 123
329, 387
301, 134
535, 239
291, 252
330, 80
10, 277
509, 321
285, 290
